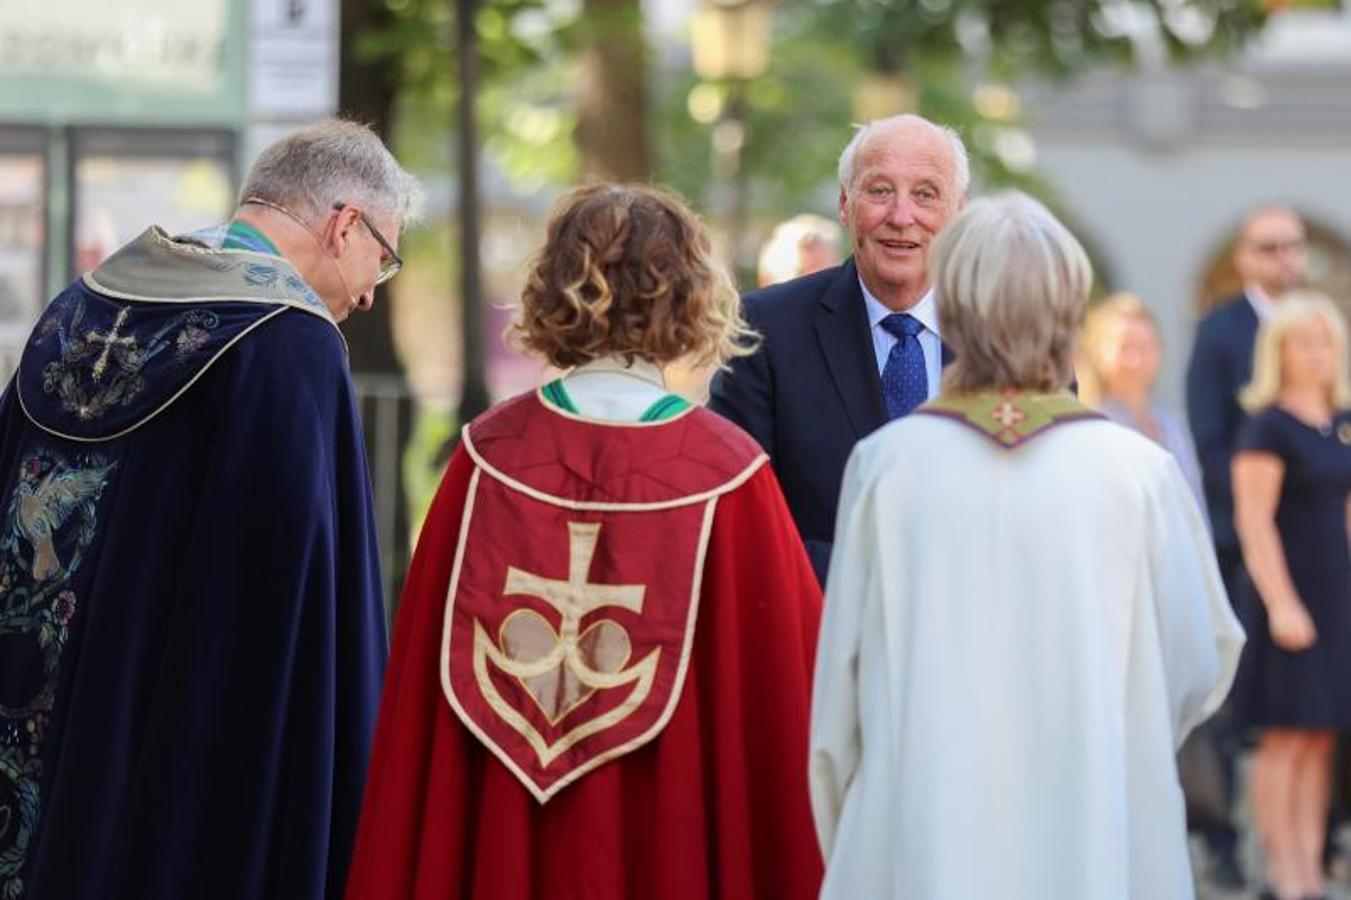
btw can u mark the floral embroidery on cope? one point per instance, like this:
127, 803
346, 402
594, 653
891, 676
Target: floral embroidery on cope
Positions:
50, 521
100, 368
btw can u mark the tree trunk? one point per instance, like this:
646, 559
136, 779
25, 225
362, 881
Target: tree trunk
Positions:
366, 93
474, 390
612, 107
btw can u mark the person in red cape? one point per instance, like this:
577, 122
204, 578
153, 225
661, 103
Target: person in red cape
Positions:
600, 680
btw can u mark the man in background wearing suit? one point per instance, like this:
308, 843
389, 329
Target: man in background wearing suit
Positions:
1270, 257
852, 347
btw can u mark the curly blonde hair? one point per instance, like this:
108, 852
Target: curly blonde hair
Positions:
628, 270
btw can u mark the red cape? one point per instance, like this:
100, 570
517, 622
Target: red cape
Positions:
714, 802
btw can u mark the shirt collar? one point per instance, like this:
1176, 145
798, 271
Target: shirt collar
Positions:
926, 310
1261, 303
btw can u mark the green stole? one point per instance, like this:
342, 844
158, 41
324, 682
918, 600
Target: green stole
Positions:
667, 407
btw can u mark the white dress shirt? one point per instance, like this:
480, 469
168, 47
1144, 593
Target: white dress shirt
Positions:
613, 390
1261, 304
926, 310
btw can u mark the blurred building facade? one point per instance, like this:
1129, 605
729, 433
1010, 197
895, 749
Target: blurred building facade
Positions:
114, 115
1156, 169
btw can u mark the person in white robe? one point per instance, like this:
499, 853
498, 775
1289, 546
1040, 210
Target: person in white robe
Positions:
1024, 616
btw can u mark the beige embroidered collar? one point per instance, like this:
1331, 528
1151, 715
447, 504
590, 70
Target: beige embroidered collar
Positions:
157, 268
1010, 418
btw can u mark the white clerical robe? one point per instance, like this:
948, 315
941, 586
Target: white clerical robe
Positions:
1015, 643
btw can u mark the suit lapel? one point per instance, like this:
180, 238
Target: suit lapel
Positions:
842, 329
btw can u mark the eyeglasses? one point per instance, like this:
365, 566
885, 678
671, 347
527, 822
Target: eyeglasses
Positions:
1271, 248
390, 261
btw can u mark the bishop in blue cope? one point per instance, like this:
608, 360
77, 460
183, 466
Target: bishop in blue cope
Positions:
191, 628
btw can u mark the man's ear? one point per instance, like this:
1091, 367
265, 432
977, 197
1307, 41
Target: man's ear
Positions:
844, 208
347, 219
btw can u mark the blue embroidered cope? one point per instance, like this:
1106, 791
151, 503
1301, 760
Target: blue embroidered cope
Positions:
191, 622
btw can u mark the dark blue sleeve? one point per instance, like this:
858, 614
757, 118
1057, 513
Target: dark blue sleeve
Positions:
1210, 406
1266, 432
304, 540
744, 392
279, 645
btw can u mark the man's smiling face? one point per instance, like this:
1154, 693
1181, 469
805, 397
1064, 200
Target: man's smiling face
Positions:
904, 191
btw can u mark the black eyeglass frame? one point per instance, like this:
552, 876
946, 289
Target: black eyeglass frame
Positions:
387, 270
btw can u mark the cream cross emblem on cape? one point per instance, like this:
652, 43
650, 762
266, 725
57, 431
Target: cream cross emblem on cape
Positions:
109, 341
561, 669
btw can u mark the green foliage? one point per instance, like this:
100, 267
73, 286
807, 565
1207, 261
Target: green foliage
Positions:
1055, 37
798, 114
524, 71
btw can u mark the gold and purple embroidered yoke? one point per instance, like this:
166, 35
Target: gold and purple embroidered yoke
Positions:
1010, 418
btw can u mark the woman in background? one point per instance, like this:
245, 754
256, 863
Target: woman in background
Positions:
1118, 364
1292, 480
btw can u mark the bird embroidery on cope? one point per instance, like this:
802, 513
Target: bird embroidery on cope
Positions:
52, 512
42, 508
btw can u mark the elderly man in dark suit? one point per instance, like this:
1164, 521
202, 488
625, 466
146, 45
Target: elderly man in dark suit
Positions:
849, 348
1270, 257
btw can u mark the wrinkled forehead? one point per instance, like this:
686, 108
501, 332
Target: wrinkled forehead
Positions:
907, 150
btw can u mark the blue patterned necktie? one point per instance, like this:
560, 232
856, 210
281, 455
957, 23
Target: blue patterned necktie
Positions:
905, 380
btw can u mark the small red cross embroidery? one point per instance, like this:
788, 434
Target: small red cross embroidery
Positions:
1007, 415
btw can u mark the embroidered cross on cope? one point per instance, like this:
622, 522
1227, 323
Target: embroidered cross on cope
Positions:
1007, 414
567, 632
561, 669
110, 340
905, 379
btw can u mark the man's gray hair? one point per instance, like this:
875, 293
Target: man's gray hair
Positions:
329, 162
849, 156
1012, 284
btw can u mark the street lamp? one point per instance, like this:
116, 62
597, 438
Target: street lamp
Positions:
731, 41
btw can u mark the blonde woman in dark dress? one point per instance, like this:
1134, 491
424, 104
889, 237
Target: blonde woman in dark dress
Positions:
1292, 480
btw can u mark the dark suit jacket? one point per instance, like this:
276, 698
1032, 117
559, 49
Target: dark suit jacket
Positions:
1221, 365
809, 394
